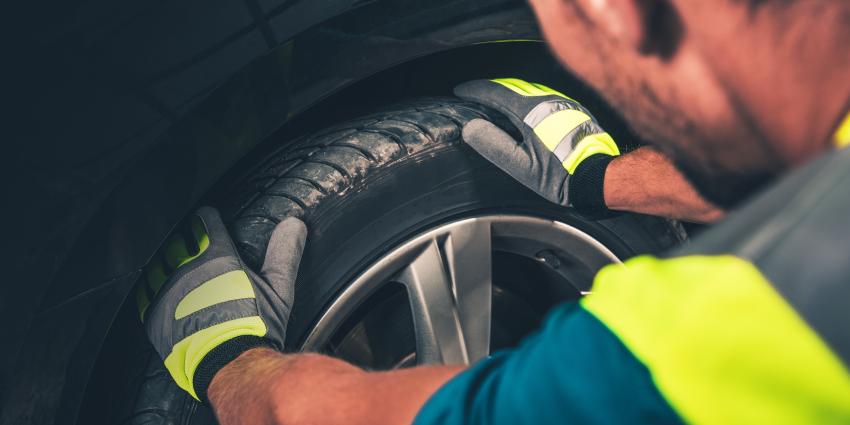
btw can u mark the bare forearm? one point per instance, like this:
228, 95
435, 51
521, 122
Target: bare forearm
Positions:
645, 181
263, 386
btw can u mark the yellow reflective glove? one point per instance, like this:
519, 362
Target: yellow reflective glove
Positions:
202, 307
564, 152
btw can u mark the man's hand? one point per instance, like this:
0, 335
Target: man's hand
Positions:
266, 387
561, 142
202, 307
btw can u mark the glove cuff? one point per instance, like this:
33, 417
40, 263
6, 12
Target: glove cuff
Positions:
586, 192
220, 356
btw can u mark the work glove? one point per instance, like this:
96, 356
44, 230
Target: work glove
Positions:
202, 307
563, 153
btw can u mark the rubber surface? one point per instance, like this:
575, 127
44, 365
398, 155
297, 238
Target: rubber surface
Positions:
362, 187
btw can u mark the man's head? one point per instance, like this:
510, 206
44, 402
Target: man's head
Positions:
736, 91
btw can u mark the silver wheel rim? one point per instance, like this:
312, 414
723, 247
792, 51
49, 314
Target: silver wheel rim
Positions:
447, 274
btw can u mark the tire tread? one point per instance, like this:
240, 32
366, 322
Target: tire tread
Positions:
311, 169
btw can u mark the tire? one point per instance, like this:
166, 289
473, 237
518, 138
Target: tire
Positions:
362, 188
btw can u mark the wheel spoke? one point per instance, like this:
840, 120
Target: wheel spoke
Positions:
450, 295
469, 256
435, 317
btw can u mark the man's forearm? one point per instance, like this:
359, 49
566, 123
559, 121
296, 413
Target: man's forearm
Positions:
263, 386
645, 181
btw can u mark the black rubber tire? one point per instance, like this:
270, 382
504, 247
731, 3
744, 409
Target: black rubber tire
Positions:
362, 187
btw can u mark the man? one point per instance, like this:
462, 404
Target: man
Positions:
736, 93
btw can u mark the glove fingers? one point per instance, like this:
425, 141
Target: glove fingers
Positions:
283, 256
529, 163
502, 150
186, 244
494, 96
216, 231
512, 97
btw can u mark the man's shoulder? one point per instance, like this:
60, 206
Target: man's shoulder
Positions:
803, 216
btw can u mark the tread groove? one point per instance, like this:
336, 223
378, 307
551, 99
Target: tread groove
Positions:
292, 198
418, 127
264, 217
387, 134
245, 205
368, 155
477, 112
308, 181
335, 139
336, 167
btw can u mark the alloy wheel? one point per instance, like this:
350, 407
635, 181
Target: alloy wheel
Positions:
458, 291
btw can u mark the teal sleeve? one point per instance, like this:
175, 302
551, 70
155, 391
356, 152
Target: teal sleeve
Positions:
574, 370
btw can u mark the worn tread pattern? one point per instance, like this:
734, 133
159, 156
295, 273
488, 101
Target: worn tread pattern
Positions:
308, 171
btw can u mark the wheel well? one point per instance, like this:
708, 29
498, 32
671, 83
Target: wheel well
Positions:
436, 75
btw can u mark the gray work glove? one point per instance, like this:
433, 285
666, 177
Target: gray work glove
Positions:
564, 152
202, 307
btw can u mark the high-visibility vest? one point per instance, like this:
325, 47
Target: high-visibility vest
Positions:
750, 323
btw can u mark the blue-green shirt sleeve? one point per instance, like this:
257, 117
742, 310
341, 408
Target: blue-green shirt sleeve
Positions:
574, 370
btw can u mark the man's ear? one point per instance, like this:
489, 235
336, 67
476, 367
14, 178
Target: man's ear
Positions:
648, 26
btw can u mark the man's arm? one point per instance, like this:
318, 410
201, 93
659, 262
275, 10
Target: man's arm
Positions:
645, 181
263, 386
573, 370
